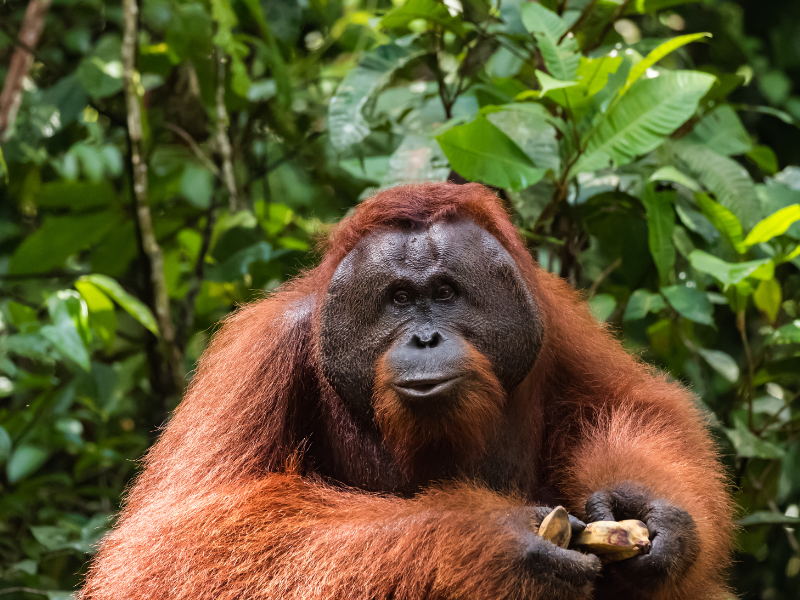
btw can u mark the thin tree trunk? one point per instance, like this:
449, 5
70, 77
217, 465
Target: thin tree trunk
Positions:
21, 61
223, 143
158, 283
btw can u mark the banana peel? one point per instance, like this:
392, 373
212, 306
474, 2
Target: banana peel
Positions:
610, 540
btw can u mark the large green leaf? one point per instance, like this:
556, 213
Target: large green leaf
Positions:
430, 10
690, 303
749, 445
724, 177
60, 237
722, 131
730, 273
660, 226
529, 127
346, 122
133, 306
25, 460
657, 54
560, 56
721, 362
642, 118
765, 517
479, 151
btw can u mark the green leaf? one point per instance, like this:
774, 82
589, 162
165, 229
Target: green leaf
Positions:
657, 54
721, 362
749, 445
764, 158
479, 151
548, 28
774, 225
529, 127
430, 10
60, 237
602, 306
26, 460
690, 303
550, 84
346, 122
728, 273
5, 445
765, 517
75, 195
721, 218
768, 297
67, 340
133, 306
197, 185
641, 303
226, 20
722, 131
238, 264
660, 226
670, 173
643, 118
724, 177
788, 334
101, 310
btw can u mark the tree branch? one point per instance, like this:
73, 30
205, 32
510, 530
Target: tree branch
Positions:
144, 219
223, 143
21, 61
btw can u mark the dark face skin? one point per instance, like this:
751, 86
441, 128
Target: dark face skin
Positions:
419, 297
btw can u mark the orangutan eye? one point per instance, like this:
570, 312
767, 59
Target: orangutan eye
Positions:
445, 292
402, 297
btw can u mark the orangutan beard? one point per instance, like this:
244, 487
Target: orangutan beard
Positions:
454, 429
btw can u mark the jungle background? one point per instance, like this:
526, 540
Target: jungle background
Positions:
164, 161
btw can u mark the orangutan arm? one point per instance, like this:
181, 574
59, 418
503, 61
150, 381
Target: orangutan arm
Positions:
648, 456
288, 538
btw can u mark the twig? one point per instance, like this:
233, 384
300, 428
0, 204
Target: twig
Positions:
144, 219
223, 143
21, 61
742, 327
194, 147
608, 270
185, 324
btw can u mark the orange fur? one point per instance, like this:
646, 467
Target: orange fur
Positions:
229, 506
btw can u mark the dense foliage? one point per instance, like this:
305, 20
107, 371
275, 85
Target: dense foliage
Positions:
644, 146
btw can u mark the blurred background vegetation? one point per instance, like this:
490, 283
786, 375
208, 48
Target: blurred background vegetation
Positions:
167, 161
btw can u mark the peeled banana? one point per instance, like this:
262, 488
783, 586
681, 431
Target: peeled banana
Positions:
610, 540
614, 540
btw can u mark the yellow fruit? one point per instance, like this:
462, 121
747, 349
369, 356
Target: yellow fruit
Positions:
613, 540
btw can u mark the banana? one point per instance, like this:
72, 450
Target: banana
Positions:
613, 540
556, 527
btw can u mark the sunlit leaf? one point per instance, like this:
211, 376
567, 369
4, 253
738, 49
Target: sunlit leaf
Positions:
643, 118
767, 298
723, 219
133, 306
430, 10
657, 54
774, 225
